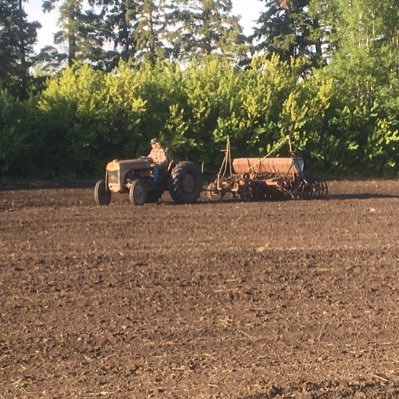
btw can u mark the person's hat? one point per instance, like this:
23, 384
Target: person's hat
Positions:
154, 141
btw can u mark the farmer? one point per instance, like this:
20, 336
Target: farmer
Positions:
158, 159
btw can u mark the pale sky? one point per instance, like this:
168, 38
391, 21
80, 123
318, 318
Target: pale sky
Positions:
249, 11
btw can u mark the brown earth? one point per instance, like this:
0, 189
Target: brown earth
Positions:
296, 299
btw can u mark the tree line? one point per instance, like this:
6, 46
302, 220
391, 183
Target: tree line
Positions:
324, 71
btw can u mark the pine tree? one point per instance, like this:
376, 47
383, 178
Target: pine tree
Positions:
119, 21
134, 29
80, 31
17, 37
204, 27
150, 30
285, 28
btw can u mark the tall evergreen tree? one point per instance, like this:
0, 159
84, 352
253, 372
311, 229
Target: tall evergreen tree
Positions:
118, 22
80, 31
151, 28
17, 37
286, 28
203, 27
327, 17
134, 29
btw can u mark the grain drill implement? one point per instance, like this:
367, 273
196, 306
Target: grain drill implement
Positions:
265, 178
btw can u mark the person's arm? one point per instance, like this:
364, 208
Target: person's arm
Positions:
150, 156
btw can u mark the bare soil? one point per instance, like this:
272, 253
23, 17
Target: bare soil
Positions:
295, 299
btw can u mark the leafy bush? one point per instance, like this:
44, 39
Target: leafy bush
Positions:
15, 135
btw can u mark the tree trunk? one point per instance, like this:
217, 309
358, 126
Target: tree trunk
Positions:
22, 52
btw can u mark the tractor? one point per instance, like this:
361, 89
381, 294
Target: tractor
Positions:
183, 180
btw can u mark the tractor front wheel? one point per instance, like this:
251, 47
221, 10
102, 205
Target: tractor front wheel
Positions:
102, 195
137, 193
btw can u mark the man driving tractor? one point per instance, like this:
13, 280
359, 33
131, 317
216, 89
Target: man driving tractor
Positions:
145, 179
158, 158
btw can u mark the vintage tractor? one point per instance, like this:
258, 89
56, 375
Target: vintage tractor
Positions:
183, 180
265, 178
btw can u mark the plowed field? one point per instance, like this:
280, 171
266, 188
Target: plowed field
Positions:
295, 299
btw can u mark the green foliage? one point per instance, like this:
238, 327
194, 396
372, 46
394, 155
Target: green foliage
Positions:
103, 32
204, 27
383, 146
17, 37
15, 135
289, 31
88, 116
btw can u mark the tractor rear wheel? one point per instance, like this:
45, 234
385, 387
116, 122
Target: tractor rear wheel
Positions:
185, 183
102, 195
137, 193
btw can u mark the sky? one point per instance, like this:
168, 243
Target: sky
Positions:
249, 11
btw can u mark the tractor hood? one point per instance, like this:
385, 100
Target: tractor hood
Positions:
126, 164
